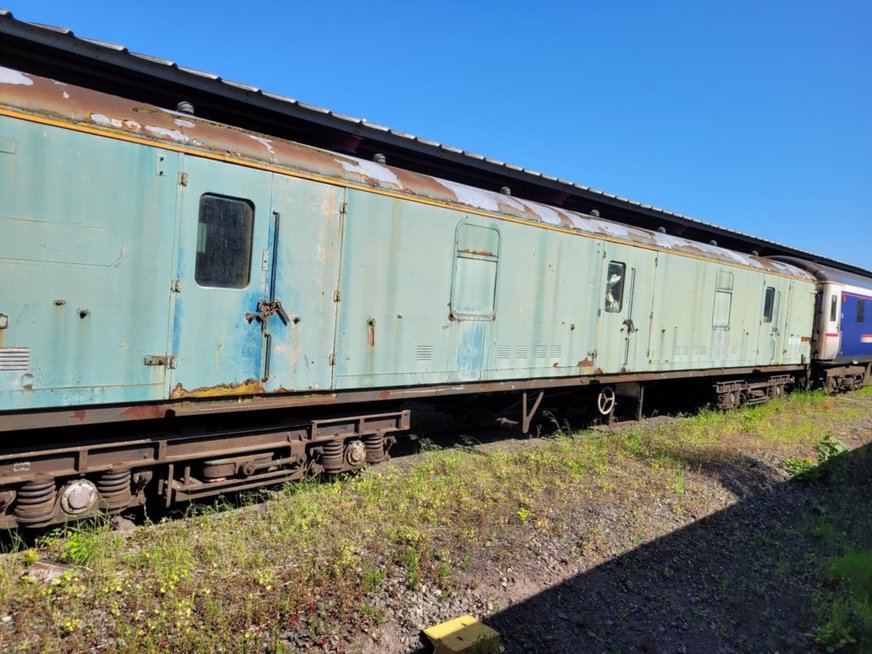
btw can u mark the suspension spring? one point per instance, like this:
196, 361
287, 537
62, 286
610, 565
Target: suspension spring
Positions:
35, 502
375, 447
331, 459
114, 487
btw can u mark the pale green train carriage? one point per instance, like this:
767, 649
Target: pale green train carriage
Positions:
158, 267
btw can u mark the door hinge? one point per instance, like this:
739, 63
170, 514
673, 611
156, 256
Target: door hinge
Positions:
183, 179
160, 360
331, 360
176, 286
343, 208
336, 295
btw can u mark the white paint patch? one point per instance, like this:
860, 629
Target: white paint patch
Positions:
512, 202
612, 229
547, 214
9, 76
580, 223
185, 123
264, 142
105, 121
172, 134
472, 196
372, 170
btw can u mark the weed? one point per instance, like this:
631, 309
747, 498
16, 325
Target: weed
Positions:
678, 484
426, 444
803, 469
372, 613
523, 514
372, 578
800, 468
82, 541
412, 562
829, 447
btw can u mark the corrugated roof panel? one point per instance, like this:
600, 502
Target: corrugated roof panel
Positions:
240, 85
154, 60
105, 44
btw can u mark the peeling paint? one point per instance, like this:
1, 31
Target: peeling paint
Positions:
9, 76
263, 141
472, 196
172, 134
100, 119
248, 387
371, 170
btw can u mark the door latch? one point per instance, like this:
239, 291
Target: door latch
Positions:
160, 360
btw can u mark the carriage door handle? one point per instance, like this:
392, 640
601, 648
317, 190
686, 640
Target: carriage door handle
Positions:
265, 309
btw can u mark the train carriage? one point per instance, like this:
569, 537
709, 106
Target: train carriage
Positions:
159, 268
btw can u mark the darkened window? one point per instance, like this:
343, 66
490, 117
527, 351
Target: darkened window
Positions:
861, 311
768, 304
224, 237
615, 286
834, 307
474, 283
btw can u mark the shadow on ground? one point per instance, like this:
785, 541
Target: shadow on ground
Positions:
740, 580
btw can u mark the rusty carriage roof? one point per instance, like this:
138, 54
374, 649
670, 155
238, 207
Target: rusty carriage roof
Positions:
59, 54
35, 98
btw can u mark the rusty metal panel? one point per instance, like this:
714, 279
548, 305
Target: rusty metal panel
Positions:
85, 259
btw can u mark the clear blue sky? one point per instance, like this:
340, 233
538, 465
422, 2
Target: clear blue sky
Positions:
753, 115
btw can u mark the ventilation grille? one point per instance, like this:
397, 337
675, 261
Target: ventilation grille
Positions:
14, 358
424, 353
523, 351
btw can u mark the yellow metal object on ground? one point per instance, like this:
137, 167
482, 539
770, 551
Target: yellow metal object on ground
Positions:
463, 635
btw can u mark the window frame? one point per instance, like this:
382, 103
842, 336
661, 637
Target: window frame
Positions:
465, 254
242, 268
616, 305
768, 304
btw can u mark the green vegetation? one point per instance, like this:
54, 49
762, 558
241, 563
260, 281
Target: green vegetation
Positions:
312, 554
848, 609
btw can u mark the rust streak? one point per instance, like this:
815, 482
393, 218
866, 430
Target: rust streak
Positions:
145, 412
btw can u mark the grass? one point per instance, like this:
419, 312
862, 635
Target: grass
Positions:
312, 556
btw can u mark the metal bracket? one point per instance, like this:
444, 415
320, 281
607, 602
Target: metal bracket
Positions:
160, 360
527, 416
